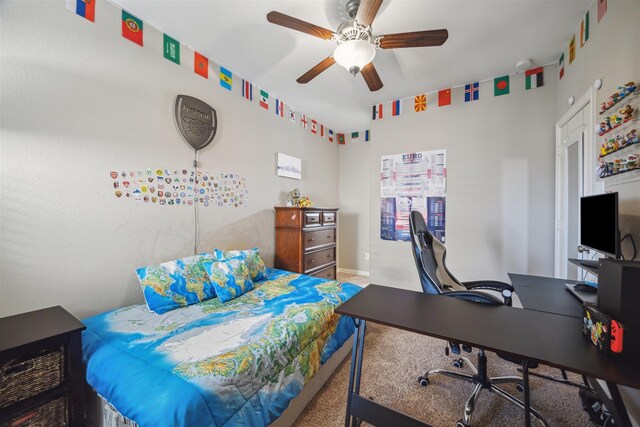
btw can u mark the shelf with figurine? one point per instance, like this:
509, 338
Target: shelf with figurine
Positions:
613, 122
618, 96
619, 143
617, 167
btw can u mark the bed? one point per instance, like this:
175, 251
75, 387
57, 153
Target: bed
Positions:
217, 364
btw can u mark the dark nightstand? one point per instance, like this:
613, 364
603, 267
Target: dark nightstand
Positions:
41, 374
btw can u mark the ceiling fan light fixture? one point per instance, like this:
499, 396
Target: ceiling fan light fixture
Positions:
353, 55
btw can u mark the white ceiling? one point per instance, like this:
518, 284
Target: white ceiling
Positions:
486, 39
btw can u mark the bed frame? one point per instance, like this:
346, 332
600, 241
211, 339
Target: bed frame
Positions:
100, 413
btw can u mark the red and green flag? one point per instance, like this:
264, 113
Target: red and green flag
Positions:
200, 65
132, 28
533, 78
341, 138
171, 49
501, 86
584, 30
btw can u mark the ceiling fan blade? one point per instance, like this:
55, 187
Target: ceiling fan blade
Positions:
367, 11
317, 69
371, 77
299, 25
414, 39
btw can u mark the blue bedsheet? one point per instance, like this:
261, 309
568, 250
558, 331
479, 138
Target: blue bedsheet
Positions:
213, 364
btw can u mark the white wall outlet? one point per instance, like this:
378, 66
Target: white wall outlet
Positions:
366, 256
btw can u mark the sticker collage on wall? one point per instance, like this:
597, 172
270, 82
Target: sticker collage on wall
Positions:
181, 187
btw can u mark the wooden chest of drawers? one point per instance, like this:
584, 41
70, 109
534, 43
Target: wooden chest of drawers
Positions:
306, 240
41, 374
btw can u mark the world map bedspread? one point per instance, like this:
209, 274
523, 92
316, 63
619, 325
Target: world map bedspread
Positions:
213, 364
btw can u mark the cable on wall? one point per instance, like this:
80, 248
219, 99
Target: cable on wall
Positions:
195, 203
633, 245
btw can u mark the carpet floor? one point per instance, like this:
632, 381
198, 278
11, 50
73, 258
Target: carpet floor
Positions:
393, 360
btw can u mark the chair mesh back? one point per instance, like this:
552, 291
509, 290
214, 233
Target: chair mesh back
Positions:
429, 254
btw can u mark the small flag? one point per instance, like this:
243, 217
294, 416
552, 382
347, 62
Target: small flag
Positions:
303, 121
420, 103
264, 99
366, 136
534, 78
572, 49
226, 78
322, 131
341, 138
602, 9
471, 92
444, 97
396, 107
330, 133
501, 86
131, 28
314, 126
584, 30
354, 137
279, 108
292, 115
561, 66
377, 112
171, 49
247, 90
84, 8
200, 65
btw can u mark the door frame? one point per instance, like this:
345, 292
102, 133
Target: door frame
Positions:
589, 185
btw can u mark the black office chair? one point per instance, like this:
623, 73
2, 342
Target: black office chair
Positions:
429, 254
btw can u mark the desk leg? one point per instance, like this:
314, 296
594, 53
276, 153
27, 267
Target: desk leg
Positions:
356, 367
619, 411
527, 397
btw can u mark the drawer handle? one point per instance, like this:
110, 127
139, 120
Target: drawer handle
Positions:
310, 261
329, 236
22, 367
328, 255
311, 239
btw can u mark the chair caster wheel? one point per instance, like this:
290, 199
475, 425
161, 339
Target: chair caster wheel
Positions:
424, 381
461, 423
458, 363
520, 387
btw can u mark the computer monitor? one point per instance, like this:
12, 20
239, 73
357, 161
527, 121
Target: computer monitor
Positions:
599, 224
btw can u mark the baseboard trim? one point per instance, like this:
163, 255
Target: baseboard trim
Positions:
349, 271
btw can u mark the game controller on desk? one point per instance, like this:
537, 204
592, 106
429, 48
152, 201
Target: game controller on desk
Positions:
603, 331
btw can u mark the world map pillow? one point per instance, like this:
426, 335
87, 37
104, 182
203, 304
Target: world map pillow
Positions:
257, 268
230, 277
176, 283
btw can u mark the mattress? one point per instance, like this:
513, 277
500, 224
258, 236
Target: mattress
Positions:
213, 364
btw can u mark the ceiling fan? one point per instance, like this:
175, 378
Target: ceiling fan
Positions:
356, 43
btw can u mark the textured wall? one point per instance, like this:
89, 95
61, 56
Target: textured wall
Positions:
78, 100
500, 187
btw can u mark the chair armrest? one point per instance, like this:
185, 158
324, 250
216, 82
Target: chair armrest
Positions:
493, 285
476, 296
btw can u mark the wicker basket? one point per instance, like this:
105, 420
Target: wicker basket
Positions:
26, 377
52, 414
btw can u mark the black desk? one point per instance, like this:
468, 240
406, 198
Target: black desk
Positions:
546, 294
551, 339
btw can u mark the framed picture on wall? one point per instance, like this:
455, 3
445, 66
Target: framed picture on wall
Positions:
289, 166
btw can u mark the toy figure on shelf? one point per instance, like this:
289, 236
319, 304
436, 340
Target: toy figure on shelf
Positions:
615, 97
632, 137
627, 113
632, 161
603, 128
630, 87
305, 202
607, 121
294, 198
603, 107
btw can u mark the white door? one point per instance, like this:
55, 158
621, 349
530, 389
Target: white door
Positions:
575, 177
